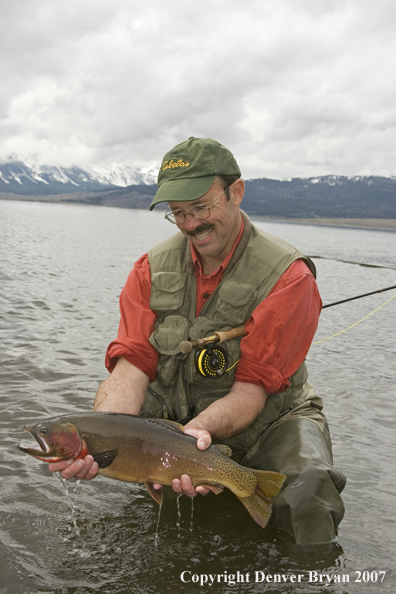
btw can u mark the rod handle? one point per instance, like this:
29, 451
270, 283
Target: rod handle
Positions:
187, 346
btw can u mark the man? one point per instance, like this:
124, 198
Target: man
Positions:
221, 272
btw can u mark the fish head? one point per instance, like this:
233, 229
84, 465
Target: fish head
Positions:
55, 441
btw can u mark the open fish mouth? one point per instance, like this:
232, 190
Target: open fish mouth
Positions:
40, 446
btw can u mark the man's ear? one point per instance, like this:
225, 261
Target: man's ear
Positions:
237, 191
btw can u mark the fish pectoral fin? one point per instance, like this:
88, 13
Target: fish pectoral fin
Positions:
105, 458
156, 494
223, 449
216, 489
258, 506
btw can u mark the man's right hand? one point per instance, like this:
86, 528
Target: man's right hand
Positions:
85, 468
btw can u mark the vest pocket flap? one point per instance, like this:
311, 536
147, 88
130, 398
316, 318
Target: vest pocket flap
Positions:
168, 281
169, 334
236, 300
167, 290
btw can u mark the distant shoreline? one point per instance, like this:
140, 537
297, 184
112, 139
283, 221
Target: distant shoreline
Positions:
376, 224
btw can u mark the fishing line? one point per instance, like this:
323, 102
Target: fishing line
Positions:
357, 263
211, 360
229, 369
355, 324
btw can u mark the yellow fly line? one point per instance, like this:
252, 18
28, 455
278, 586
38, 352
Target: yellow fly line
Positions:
355, 324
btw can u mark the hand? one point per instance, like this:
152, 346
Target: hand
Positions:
184, 486
84, 468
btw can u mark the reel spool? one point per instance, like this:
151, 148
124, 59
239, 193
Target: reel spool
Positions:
211, 361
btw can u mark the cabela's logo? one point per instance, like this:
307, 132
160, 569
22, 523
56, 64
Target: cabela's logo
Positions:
172, 164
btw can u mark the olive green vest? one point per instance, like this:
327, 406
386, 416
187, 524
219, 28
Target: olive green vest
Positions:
179, 392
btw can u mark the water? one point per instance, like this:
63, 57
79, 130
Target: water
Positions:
63, 267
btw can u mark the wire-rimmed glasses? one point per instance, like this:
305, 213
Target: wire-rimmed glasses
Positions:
177, 217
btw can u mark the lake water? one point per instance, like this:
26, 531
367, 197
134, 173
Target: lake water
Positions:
62, 269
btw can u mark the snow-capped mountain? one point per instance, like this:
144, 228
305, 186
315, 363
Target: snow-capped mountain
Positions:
125, 187
20, 177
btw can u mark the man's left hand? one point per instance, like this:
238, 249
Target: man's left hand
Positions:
184, 486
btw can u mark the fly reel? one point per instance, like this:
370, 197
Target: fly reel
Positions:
211, 361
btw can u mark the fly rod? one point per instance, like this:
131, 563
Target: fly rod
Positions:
358, 297
187, 346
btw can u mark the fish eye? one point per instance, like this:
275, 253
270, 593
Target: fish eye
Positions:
44, 430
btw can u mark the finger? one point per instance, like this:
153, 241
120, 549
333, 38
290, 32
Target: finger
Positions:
202, 490
89, 471
204, 440
184, 486
203, 437
58, 466
72, 470
80, 469
176, 486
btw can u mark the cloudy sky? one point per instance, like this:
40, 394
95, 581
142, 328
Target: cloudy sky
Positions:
292, 87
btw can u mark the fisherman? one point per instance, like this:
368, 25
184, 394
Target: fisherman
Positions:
250, 392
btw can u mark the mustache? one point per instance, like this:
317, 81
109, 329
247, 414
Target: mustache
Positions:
200, 229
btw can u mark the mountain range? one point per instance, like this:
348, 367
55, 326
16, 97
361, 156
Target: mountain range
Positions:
125, 187
25, 178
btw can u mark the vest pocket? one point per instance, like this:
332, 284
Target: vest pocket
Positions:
167, 291
155, 406
235, 302
166, 339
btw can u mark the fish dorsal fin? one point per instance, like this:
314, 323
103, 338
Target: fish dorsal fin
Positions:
104, 459
223, 449
168, 424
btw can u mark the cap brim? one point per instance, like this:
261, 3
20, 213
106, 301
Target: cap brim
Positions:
183, 190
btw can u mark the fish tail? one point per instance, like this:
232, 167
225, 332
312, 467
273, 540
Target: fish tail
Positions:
258, 503
268, 482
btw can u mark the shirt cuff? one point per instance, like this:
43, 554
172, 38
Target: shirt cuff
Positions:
254, 372
144, 357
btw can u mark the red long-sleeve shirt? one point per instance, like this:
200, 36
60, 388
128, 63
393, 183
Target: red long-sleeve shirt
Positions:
279, 333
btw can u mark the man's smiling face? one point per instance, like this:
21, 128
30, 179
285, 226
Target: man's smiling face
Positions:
213, 237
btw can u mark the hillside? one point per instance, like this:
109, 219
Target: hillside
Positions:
370, 197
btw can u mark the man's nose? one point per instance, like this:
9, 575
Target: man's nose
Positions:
190, 223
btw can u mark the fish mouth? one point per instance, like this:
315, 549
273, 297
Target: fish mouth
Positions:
40, 446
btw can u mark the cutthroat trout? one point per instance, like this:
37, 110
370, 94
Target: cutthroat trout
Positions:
137, 450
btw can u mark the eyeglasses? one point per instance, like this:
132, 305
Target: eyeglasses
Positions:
199, 212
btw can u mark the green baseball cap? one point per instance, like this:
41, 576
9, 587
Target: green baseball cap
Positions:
189, 169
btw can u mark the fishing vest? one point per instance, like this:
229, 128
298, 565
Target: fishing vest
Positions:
179, 392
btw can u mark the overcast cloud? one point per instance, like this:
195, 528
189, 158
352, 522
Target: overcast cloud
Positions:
292, 87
